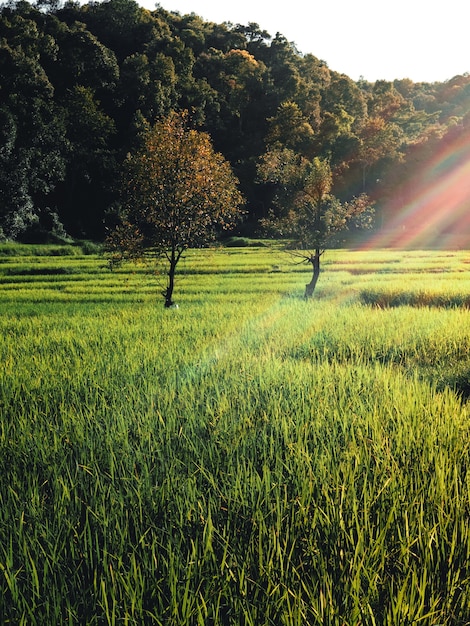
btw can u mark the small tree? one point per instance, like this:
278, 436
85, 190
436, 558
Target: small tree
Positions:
177, 193
307, 212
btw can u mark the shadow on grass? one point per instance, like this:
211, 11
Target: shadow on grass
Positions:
40, 271
391, 299
457, 380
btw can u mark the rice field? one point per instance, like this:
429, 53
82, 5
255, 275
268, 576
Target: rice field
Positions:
246, 459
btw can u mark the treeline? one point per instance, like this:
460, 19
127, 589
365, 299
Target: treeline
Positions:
79, 85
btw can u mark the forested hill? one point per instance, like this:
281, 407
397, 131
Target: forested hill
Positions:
78, 84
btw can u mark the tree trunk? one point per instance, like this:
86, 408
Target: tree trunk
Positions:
315, 261
171, 280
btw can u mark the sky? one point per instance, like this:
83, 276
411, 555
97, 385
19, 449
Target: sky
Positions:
374, 39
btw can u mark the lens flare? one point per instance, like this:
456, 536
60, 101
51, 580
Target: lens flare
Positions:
432, 207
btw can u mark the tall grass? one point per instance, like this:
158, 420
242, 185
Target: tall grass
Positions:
248, 458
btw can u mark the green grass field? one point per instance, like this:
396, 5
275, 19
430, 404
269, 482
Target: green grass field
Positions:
246, 459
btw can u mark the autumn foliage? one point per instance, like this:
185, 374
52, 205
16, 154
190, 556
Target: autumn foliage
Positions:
307, 213
177, 193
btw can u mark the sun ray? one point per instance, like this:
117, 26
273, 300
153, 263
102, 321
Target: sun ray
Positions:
433, 209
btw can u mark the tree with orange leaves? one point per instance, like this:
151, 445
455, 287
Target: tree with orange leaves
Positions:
307, 213
177, 193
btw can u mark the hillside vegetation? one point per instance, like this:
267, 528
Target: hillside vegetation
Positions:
80, 83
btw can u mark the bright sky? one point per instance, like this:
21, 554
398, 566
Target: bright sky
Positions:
376, 39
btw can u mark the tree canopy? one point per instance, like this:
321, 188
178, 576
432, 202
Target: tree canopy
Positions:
177, 193
80, 81
307, 212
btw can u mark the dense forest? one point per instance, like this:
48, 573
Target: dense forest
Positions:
80, 83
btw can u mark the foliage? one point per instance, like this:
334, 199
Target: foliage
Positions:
310, 216
78, 81
177, 193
